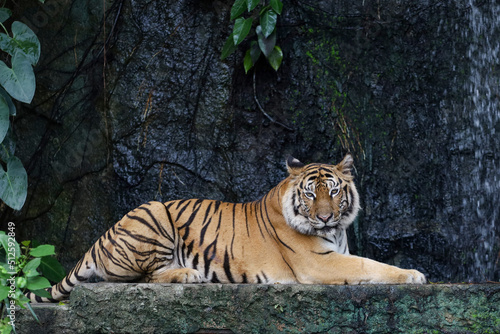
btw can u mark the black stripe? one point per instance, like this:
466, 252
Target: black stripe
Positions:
326, 239
227, 267
257, 218
244, 278
322, 253
172, 226
179, 203
276, 233
76, 270
190, 248
61, 289
289, 267
142, 221
314, 171
68, 282
204, 230
195, 261
295, 209
183, 253
159, 226
177, 252
220, 221
117, 262
179, 214
196, 208
214, 278
207, 211
262, 205
142, 238
245, 206
209, 255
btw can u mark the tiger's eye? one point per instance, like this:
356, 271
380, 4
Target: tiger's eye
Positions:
334, 191
310, 194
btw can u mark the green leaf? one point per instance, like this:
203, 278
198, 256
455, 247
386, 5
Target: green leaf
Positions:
30, 268
13, 184
277, 6
5, 13
7, 147
241, 29
6, 96
42, 293
27, 41
43, 250
7, 43
37, 283
4, 241
4, 292
247, 61
266, 44
251, 4
255, 51
228, 47
52, 269
275, 58
4, 118
251, 56
268, 22
238, 8
28, 305
22, 300
18, 81
23, 40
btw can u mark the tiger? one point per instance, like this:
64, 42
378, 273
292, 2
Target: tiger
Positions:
296, 233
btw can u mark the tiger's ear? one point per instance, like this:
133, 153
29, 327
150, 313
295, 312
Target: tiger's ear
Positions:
294, 166
345, 166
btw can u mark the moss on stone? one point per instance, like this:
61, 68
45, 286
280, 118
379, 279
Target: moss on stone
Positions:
176, 308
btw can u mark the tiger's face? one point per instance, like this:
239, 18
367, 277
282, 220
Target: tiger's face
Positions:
320, 198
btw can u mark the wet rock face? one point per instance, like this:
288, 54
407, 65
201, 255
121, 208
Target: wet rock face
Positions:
153, 114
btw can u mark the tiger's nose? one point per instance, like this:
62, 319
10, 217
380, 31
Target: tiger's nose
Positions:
324, 218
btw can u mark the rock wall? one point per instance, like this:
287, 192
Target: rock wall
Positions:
234, 308
134, 104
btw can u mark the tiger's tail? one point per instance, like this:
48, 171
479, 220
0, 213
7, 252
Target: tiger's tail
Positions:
79, 274
140, 244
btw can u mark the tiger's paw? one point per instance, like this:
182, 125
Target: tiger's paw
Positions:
178, 275
185, 275
414, 277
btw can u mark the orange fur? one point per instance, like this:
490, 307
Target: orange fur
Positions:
294, 234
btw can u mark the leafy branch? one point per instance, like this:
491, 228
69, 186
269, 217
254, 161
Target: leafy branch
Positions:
24, 268
17, 82
265, 31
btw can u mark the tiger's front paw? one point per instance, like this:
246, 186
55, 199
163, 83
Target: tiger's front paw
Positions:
414, 277
178, 275
186, 275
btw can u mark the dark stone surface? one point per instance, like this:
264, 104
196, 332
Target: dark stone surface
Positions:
134, 104
234, 308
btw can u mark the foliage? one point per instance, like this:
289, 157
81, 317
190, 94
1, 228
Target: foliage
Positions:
24, 268
267, 14
22, 49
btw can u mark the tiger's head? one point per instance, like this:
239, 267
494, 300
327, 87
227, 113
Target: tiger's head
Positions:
320, 198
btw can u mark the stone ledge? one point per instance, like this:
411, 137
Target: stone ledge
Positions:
218, 308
